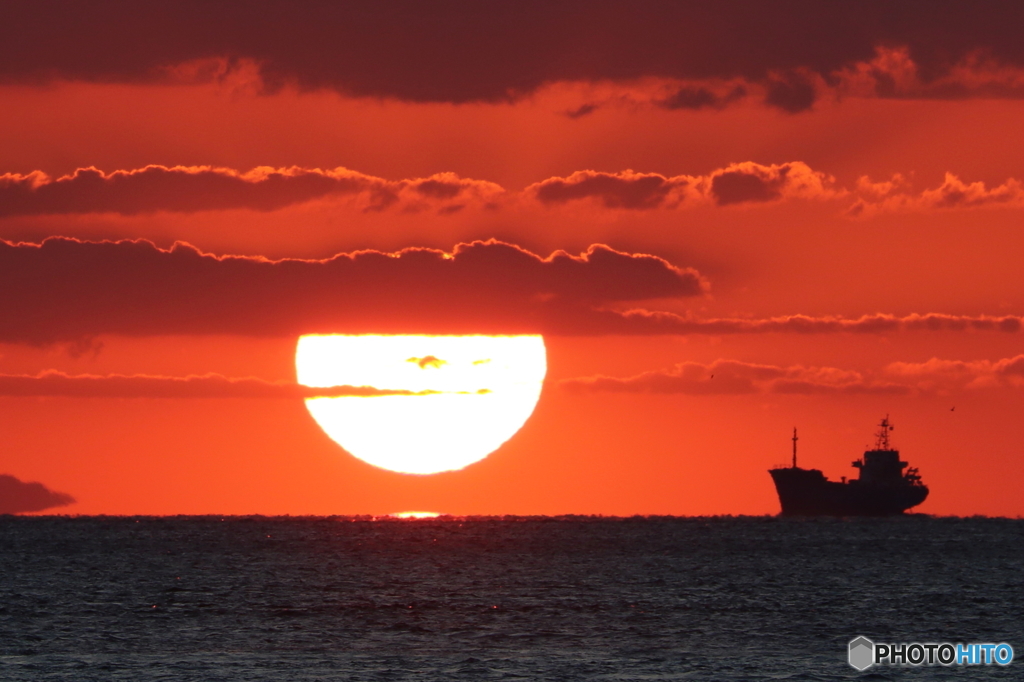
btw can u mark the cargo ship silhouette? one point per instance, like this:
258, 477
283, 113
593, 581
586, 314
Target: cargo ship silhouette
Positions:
882, 488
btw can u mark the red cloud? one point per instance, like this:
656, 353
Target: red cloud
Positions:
59, 384
657, 322
893, 72
735, 377
615, 190
204, 188
66, 289
18, 497
69, 290
458, 52
738, 183
895, 195
701, 96
753, 182
792, 91
723, 377
950, 374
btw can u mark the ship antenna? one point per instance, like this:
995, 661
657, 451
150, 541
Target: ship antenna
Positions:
882, 437
795, 439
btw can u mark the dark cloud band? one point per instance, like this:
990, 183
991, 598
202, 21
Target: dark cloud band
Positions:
188, 189
18, 497
457, 51
192, 189
67, 289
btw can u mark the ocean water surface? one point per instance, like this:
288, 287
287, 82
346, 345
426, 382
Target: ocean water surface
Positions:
486, 598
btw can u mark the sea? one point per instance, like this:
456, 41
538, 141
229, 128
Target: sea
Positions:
500, 598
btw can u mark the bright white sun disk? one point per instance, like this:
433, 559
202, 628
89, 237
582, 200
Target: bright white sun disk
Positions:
483, 389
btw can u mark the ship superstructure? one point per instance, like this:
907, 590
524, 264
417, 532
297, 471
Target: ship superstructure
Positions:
882, 488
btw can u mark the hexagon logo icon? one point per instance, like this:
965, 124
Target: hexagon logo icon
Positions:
862, 653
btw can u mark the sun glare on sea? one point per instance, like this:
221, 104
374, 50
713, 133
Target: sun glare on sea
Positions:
478, 391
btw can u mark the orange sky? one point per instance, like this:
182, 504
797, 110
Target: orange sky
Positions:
827, 185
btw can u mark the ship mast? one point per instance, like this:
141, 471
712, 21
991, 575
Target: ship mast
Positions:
882, 437
795, 439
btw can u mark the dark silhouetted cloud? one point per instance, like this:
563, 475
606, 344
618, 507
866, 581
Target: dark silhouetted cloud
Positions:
690, 98
753, 182
18, 497
700, 97
65, 289
615, 190
453, 51
204, 188
792, 92
894, 73
738, 183
201, 188
68, 290
583, 110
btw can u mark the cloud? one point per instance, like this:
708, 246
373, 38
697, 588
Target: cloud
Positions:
658, 322
701, 96
582, 110
733, 377
753, 182
17, 497
58, 384
66, 289
792, 91
459, 52
895, 195
615, 190
725, 377
738, 183
894, 73
749, 183
891, 73
205, 188
946, 375
189, 189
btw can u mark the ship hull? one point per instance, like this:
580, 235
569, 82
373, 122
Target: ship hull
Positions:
806, 492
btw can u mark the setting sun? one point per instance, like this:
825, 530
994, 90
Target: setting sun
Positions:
477, 391
581, 339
